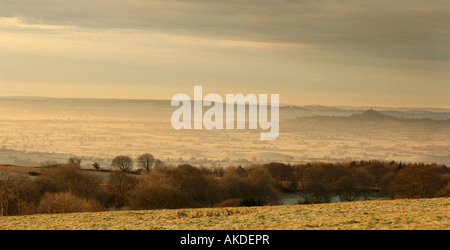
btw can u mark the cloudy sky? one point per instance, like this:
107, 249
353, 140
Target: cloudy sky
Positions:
326, 52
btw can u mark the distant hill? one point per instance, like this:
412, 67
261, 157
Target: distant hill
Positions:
138, 108
368, 120
373, 115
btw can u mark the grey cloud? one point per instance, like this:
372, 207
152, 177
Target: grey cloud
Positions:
406, 29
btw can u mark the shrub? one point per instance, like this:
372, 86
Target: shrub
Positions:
197, 186
156, 194
18, 196
67, 202
256, 183
119, 186
232, 202
67, 178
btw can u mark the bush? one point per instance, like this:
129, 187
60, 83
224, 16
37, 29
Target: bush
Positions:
255, 182
198, 187
67, 202
119, 186
18, 195
156, 194
232, 202
67, 178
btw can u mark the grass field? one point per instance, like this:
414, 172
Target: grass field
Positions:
424, 214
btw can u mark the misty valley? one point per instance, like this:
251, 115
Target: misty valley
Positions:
34, 130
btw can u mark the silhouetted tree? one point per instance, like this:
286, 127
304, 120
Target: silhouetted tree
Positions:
146, 161
96, 165
122, 162
74, 161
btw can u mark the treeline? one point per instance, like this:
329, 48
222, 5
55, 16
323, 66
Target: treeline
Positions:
65, 187
319, 182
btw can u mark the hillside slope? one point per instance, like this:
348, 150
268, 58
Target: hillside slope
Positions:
425, 214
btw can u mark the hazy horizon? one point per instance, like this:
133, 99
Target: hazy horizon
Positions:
38, 129
393, 56
368, 106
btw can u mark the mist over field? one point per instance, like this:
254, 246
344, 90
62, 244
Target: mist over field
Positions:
345, 102
112, 67
35, 129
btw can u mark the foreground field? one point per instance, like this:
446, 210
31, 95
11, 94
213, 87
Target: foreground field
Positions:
427, 214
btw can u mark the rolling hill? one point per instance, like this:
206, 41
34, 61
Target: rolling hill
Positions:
422, 214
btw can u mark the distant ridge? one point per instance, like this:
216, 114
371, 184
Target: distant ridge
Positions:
163, 105
373, 115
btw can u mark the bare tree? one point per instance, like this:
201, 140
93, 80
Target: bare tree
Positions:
146, 161
75, 161
417, 182
96, 165
120, 184
122, 162
17, 194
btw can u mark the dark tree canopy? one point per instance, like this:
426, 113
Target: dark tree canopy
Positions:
146, 161
122, 162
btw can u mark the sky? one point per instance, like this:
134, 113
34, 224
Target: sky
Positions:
323, 52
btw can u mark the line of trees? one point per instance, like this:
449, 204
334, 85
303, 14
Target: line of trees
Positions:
65, 187
62, 188
125, 163
319, 182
